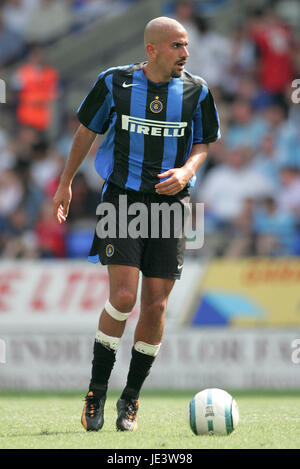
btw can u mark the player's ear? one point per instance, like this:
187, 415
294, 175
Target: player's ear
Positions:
151, 50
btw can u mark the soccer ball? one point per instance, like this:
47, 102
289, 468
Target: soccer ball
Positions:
213, 411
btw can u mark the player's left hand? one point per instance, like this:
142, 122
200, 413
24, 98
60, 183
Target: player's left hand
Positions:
177, 179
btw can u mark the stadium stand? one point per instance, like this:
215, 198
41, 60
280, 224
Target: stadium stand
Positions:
258, 156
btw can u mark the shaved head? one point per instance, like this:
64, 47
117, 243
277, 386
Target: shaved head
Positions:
158, 29
166, 41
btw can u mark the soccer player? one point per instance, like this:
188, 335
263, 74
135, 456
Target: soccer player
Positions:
160, 120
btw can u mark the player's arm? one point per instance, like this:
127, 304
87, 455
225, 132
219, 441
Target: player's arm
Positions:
177, 178
82, 143
94, 117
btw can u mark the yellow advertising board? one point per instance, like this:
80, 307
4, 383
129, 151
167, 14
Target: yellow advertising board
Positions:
248, 292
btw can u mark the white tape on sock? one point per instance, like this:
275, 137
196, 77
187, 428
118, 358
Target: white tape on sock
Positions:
147, 349
114, 313
107, 340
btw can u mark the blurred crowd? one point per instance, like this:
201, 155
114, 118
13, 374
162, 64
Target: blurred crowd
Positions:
250, 183
23, 22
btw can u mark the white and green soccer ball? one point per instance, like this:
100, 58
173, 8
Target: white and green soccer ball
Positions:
213, 411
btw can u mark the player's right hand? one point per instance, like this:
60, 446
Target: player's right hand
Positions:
61, 203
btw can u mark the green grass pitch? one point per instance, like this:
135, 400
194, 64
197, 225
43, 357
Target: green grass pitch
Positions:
52, 420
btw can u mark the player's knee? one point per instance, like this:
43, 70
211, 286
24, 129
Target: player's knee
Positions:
124, 300
156, 309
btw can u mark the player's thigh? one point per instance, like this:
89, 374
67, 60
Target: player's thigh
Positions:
155, 292
163, 253
123, 280
163, 258
112, 244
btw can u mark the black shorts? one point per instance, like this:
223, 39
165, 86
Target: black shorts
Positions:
156, 247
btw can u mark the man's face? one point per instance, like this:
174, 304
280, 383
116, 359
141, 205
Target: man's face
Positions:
171, 53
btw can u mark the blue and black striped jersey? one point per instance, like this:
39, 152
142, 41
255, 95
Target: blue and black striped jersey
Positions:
151, 126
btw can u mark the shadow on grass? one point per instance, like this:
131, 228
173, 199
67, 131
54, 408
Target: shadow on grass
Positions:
41, 433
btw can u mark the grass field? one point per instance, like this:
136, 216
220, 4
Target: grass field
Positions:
52, 420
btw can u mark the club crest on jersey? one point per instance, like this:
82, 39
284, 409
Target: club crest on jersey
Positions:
154, 128
109, 250
156, 105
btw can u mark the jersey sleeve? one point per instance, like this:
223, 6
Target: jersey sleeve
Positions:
95, 110
206, 119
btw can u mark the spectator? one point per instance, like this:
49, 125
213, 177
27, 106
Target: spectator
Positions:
11, 43
66, 140
216, 158
45, 166
33, 198
227, 186
185, 13
17, 239
17, 13
7, 158
242, 239
265, 161
50, 235
286, 135
22, 146
211, 55
37, 84
273, 39
85, 11
11, 192
289, 11
242, 57
289, 195
247, 88
50, 20
275, 230
246, 127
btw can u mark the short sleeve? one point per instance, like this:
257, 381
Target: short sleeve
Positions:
94, 111
206, 119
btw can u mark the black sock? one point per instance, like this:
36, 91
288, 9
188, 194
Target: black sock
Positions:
138, 371
102, 365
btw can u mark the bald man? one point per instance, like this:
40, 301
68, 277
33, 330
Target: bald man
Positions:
159, 121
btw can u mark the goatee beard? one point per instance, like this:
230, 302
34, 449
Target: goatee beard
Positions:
175, 74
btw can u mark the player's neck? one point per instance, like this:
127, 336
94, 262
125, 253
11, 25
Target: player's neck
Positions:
155, 75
